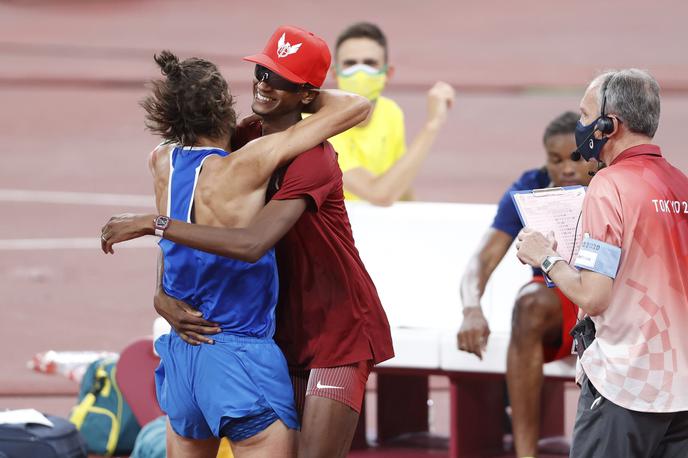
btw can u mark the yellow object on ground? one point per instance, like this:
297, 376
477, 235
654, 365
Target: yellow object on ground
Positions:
225, 451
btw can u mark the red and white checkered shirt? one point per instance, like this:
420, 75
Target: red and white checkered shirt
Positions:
639, 359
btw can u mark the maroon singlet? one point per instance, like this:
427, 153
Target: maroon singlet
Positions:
329, 313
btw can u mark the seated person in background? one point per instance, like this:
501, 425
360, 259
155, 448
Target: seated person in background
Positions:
542, 317
373, 156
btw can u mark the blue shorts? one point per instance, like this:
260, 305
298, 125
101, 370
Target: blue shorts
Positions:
243, 428
206, 390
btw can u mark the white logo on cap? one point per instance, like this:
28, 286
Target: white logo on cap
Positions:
285, 48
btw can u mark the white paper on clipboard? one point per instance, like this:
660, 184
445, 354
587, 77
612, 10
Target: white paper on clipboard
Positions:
555, 210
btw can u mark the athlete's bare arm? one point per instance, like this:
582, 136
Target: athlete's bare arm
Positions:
231, 189
334, 112
247, 244
472, 336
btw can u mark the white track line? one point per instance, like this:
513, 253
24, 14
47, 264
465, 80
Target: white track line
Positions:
82, 243
78, 198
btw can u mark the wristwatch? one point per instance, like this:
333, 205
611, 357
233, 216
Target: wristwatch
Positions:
161, 223
549, 262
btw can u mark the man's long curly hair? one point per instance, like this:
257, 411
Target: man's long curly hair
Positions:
191, 101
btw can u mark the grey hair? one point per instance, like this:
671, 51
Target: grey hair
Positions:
632, 95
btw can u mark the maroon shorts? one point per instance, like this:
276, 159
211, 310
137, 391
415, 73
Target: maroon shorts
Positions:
569, 314
345, 384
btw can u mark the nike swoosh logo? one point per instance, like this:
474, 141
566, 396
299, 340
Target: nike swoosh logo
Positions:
320, 386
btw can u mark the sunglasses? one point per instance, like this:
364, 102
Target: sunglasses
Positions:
265, 75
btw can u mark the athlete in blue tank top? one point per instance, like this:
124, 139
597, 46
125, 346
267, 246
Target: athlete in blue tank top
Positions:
239, 387
241, 297
223, 289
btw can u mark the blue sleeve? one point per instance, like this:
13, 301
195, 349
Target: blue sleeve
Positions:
506, 219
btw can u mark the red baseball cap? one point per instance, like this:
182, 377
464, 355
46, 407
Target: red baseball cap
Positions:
297, 55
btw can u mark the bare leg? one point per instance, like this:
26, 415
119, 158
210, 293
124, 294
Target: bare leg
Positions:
537, 320
327, 429
276, 441
181, 447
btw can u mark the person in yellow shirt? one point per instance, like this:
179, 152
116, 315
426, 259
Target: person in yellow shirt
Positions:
373, 156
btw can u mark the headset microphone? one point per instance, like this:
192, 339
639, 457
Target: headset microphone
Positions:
600, 166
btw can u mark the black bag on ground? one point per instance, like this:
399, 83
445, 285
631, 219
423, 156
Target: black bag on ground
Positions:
34, 441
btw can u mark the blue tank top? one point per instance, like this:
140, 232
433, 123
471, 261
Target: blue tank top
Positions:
239, 296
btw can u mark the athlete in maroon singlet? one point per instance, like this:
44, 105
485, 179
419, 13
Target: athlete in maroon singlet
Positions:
330, 324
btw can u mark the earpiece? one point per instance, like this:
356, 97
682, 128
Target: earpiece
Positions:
605, 125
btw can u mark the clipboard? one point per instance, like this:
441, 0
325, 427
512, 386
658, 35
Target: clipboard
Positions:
554, 209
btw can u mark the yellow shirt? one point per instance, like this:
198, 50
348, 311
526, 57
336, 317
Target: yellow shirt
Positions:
376, 146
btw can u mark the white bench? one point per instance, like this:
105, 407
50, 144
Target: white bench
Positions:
416, 254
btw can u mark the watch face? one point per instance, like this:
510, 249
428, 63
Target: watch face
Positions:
162, 222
